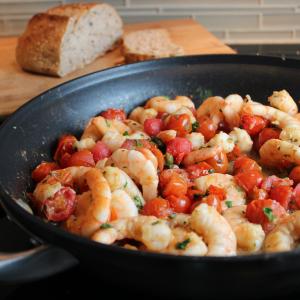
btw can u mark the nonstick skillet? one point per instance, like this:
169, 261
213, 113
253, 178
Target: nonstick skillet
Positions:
30, 134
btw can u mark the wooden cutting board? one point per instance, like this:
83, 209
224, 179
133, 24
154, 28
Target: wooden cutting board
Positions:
17, 86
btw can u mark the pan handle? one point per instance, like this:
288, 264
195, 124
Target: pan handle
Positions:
33, 264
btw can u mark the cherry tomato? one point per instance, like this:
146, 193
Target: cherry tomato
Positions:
257, 194
157, 207
249, 180
177, 186
59, 207
65, 145
178, 148
214, 201
181, 123
180, 204
295, 202
264, 212
295, 175
267, 134
114, 114
235, 153
43, 169
200, 169
219, 162
82, 158
100, 151
219, 192
206, 127
224, 126
194, 194
166, 175
281, 194
64, 161
272, 181
253, 124
194, 205
245, 164
153, 126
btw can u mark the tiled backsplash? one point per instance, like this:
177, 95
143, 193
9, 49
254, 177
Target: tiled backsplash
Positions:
234, 21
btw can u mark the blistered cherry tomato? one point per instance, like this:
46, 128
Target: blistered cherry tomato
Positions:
206, 127
214, 201
200, 169
178, 148
272, 181
153, 126
166, 175
114, 114
295, 174
245, 164
257, 194
180, 123
59, 207
281, 194
219, 162
235, 153
65, 145
194, 194
253, 124
264, 212
176, 186
267, 134
43, 169
157, 207
82, 158
249, 180
179, 204
219, 192
295, 202
100, 151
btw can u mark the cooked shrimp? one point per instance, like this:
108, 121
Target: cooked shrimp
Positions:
274, 151
167, 135
93, 207
215, 230
284, 102
163, 104
180, 220
154, 233
197, 140
186, 243
232, 109
222, 140
134, 125
138, 167
201, 155
123, 205
113, 140
234, 193
149, 155
213, 108
284, 235
141, 114
187, 111
86, 143
242, 139
250, 237
119, 180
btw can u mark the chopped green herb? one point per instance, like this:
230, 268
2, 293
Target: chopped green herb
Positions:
159, 143
107, 123
195, 126
182, 245
167, 97
138, 143
125, 133
269, 213
228, 204
210, 171
169, 160
155, 223
172, 216
138, 202
125, 185
105, 226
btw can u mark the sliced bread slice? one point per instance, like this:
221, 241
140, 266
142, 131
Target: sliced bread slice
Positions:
149, 44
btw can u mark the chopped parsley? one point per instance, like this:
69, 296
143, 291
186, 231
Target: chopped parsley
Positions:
172, 216
210, 171
167, 97
155, 223
169, 160
138, 143
195, 126
125, 133
138, 201
182, 245
105, 226
159, 143
269, 213
228, 204
125, 185
107, 123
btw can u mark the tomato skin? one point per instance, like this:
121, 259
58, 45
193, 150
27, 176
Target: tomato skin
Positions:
206, 127
253, 124
245, 164
257, 194
100, 151
43, 169
180, 204
219, 162
153, 126
219, 192
177, 186
282, 194
194, 205
272, 181
82, 158
114, 114
194, 194
255, 213
200, 169
166, 175
295, 202
295, 174
178, 148
214, 201
249, 180
59, 207
65, 145
180, 123
235, 153
157, 207
267, 134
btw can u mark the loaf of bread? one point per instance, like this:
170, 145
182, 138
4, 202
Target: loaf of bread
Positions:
149, 44
68, 37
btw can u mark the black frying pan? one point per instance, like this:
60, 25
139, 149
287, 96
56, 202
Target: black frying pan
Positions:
31, 133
